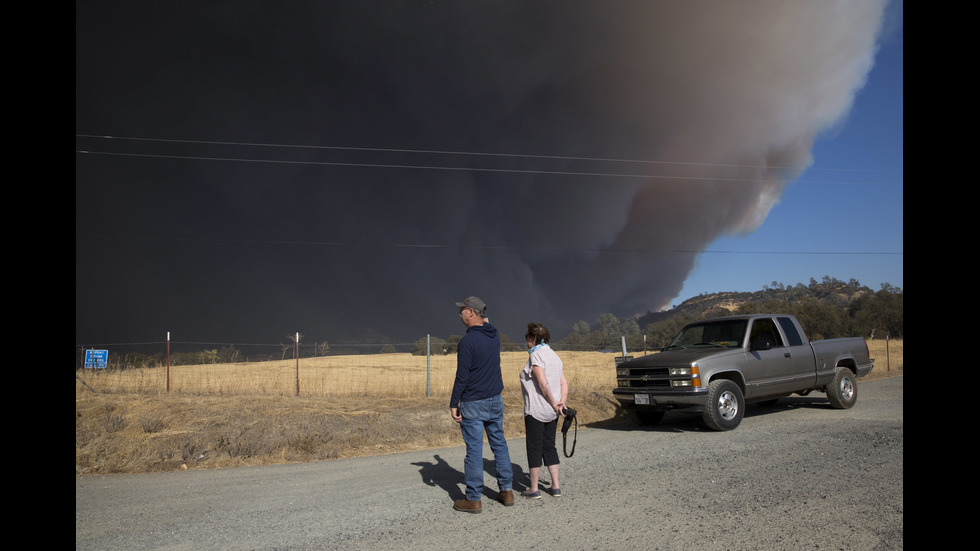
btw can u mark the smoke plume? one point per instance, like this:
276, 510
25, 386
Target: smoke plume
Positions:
615, 141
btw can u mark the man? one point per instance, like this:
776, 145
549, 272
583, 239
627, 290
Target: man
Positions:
478, 405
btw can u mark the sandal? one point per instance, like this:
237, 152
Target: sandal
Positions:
531, 495
556, 492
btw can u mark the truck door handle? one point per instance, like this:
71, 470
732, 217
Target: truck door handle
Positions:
787, 355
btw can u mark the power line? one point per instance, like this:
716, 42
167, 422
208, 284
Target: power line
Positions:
444, 152
485, 247
448, 168
417, 167
460, 153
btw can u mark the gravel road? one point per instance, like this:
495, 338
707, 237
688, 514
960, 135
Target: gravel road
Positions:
797, 475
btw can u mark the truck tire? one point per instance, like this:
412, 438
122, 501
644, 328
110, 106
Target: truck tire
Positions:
843, 391
726, 405
645, 418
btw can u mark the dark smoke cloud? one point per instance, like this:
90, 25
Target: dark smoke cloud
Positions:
726, 99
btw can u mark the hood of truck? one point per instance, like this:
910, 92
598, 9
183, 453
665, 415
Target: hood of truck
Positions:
683, 356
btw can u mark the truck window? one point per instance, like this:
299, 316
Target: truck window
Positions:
718, 333
765, 329
792, 335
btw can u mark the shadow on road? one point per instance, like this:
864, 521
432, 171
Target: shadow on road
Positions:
443, 475
689, 421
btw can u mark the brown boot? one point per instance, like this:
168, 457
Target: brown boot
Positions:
468, 506
506, 497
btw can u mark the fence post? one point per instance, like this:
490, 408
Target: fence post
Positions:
297, 363
168, 361
428, 361
888, 358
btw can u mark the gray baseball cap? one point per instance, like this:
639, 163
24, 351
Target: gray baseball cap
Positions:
476, 303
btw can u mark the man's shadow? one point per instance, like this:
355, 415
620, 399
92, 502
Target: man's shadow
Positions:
440, 473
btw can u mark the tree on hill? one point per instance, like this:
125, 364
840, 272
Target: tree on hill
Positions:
435, 345
507, 346
827, 309
880, 315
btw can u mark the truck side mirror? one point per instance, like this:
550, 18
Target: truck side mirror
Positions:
761, 343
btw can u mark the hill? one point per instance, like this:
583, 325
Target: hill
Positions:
829, 291
827, 309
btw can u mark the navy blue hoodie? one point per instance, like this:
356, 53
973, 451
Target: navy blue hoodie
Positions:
477, 365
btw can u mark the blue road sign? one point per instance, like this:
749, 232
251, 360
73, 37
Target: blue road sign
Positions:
96, 359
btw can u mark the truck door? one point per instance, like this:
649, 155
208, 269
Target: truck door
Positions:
769, 362
804, 362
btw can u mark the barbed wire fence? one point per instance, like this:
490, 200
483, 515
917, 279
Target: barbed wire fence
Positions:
293, 368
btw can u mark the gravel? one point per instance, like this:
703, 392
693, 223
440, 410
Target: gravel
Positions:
795, 475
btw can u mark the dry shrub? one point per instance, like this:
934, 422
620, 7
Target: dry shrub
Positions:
111, 419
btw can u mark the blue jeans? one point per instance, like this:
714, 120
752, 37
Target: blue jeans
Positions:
479, 416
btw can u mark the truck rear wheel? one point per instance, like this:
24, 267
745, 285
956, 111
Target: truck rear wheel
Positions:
843, 391
726, 405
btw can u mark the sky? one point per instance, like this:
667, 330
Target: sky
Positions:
248, 170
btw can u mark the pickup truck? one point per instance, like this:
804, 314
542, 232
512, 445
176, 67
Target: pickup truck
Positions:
716, 366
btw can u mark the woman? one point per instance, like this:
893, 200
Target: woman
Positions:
545, 390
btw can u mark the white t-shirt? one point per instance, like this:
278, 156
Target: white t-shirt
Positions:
535, 404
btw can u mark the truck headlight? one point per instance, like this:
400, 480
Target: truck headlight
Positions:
623, 372
693, 372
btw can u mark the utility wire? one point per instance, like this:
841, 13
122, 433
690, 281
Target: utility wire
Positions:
449, 168
445, 152
458, 153
483, 247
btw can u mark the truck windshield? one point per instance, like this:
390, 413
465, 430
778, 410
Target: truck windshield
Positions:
727, 333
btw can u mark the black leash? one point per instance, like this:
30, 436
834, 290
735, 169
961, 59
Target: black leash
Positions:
570, 417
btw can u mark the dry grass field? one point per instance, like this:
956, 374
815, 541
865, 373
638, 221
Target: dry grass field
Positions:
226, 415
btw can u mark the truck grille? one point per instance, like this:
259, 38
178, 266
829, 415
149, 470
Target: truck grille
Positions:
647, 377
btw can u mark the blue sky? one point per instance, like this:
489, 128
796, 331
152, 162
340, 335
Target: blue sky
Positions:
850, 200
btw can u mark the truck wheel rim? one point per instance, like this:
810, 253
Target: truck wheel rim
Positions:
846, 388
727, 406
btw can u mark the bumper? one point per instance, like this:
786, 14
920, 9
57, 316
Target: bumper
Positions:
638, 399
866, 369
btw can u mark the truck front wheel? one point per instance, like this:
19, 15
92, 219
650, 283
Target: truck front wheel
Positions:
843, 391
726, 405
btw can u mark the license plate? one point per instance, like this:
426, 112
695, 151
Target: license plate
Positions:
642, 399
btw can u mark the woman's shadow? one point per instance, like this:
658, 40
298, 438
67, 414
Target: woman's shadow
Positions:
440, 473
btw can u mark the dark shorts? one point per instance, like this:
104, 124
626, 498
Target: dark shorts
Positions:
541, 442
